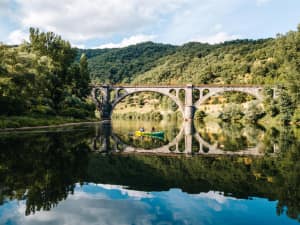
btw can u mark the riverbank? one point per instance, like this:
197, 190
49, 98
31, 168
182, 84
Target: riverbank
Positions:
37, 122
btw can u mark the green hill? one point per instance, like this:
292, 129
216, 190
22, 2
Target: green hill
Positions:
124, 64
264, 61
46, 76
272, 61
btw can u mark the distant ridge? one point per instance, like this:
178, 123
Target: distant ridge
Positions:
246, 61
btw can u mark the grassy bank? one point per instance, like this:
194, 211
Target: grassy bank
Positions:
33, 121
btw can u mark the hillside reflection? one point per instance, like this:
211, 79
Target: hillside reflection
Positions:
232, 137
43, 168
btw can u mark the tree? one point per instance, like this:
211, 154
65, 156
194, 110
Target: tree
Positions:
296, 117
286, 107
231, 112
61, 55
253, 112
42, 77
84, 81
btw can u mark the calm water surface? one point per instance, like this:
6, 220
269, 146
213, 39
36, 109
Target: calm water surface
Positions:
104, 174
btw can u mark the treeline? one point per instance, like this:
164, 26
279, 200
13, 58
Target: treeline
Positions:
41, 78
148, 116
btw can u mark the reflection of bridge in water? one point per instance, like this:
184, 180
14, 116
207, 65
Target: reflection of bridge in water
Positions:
186, 142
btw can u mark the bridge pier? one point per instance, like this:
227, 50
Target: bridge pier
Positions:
189, 127
101, 142
188, 143
188, 112
188, 135
101, 97
189, 107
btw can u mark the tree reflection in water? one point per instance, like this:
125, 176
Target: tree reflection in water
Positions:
43, 168
231, 136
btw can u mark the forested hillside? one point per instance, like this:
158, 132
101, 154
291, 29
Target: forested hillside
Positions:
273, 61
124, 64
46, 76
264, 61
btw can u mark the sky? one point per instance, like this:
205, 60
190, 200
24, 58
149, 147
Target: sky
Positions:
119, 23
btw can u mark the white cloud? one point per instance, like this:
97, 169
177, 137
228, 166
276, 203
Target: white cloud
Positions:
80, 20
123, 189
82, 46
216, 38
17, 37
215, 200
213, 195
129, 41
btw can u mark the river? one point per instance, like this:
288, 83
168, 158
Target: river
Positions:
194, 174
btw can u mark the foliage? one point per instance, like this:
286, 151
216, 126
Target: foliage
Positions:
35, 120
253, 112
39, 76
200, 115
44, 167
286, 107
150, 116
296, 117
231, 112
124, 64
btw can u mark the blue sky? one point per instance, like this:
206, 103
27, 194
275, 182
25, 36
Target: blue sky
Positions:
118, 23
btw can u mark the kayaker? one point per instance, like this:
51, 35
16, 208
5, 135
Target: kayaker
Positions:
153, 129
142, 129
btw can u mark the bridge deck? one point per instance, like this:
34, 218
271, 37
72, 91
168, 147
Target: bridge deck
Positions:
179, 85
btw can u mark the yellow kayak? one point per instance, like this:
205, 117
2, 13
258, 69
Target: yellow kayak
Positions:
155, 133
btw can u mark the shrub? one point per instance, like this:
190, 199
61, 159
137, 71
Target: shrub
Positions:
156, 116
43, 109
75, 112
12, 106
199, 115
296, 116
231, 112
253, 112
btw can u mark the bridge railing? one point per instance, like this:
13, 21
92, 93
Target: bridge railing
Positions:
176, 85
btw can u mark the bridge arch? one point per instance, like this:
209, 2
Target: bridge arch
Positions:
121, 92
218, 91
127, 93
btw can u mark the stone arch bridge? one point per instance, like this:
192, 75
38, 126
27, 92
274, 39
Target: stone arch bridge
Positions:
105, 103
